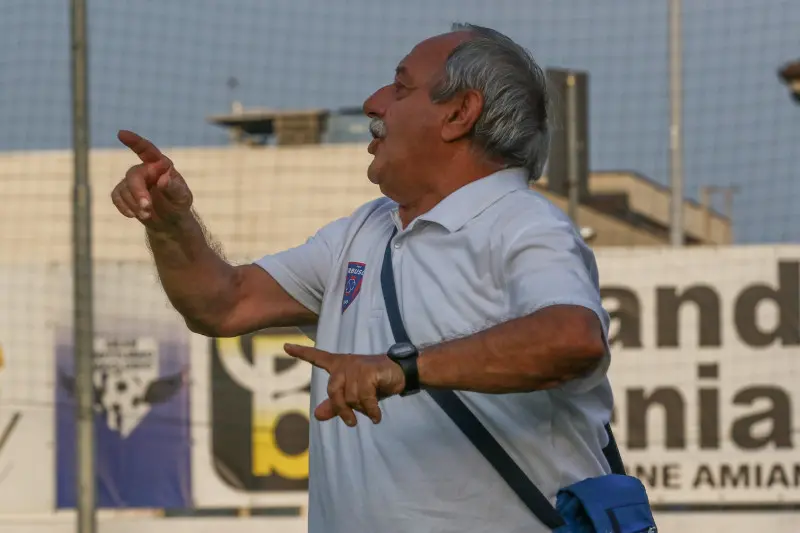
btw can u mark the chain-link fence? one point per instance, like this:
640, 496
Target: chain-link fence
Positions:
259, 106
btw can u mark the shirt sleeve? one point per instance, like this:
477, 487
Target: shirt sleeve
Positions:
303, 271
547, 265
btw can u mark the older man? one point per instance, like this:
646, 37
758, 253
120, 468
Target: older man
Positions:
497, 291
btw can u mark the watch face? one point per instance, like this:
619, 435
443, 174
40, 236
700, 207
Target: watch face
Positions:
402, 350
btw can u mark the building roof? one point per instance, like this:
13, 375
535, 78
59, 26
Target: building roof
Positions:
287, 127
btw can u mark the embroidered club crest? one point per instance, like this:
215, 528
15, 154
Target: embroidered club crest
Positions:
352, 283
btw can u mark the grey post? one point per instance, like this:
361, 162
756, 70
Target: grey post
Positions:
675, 127
573, 190
83, 323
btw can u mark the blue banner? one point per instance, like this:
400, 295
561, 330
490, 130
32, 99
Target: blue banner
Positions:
142, 422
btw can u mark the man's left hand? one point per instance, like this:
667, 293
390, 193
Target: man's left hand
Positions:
356, 382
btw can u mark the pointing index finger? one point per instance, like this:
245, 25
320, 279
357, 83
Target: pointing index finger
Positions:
146, 150
318, 358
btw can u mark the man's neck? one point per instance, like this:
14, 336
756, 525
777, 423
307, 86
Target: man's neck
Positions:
441, 188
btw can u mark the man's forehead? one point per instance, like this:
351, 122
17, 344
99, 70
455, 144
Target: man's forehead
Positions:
429, 56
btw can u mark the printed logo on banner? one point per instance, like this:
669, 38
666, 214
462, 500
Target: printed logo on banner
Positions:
27, 429
352, 283
127, 382
714, 417
7, 428
260, 402
141, 423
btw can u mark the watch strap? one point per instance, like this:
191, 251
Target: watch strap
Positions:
411, 372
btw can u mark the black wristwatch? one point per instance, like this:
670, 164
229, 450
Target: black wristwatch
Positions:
405, 354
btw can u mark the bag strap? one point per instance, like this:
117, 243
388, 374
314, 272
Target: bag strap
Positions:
472, 428
452, 405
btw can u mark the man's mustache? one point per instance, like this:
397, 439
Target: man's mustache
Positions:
377, 128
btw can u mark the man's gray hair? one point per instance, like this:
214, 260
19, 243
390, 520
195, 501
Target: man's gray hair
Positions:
513, 126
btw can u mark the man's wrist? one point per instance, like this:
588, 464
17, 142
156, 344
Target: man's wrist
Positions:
173, 228
423, 368
432, 376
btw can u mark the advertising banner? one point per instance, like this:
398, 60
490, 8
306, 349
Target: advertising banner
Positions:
26, 384
705, 368
251, 408
141, 374
705, 365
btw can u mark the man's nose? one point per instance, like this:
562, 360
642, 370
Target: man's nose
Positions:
375, 105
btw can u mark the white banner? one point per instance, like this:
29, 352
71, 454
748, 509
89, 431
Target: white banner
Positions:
27, 466
705, 369
706, 361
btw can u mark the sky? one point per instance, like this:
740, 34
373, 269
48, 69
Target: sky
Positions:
160, 67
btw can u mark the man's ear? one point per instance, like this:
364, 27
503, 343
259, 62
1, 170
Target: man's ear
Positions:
463, 112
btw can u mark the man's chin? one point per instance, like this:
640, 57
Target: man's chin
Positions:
373, 174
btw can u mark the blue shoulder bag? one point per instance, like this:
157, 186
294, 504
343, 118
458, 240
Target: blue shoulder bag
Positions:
612, 503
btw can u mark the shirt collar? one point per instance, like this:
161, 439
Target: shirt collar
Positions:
467, 202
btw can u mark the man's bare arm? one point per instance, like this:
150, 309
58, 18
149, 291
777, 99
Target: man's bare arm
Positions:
214, 297
535, 352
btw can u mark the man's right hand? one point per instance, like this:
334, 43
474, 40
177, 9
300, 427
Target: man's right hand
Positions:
152, 191
215, 298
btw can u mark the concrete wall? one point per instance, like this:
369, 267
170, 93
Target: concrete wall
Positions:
254, 200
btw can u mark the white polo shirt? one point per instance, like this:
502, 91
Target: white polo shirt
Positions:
491, 251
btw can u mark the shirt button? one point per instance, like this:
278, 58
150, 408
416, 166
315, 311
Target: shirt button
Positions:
397, 245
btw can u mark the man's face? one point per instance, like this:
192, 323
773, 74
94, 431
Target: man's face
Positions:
409, 141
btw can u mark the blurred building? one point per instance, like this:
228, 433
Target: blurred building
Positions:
284, 176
